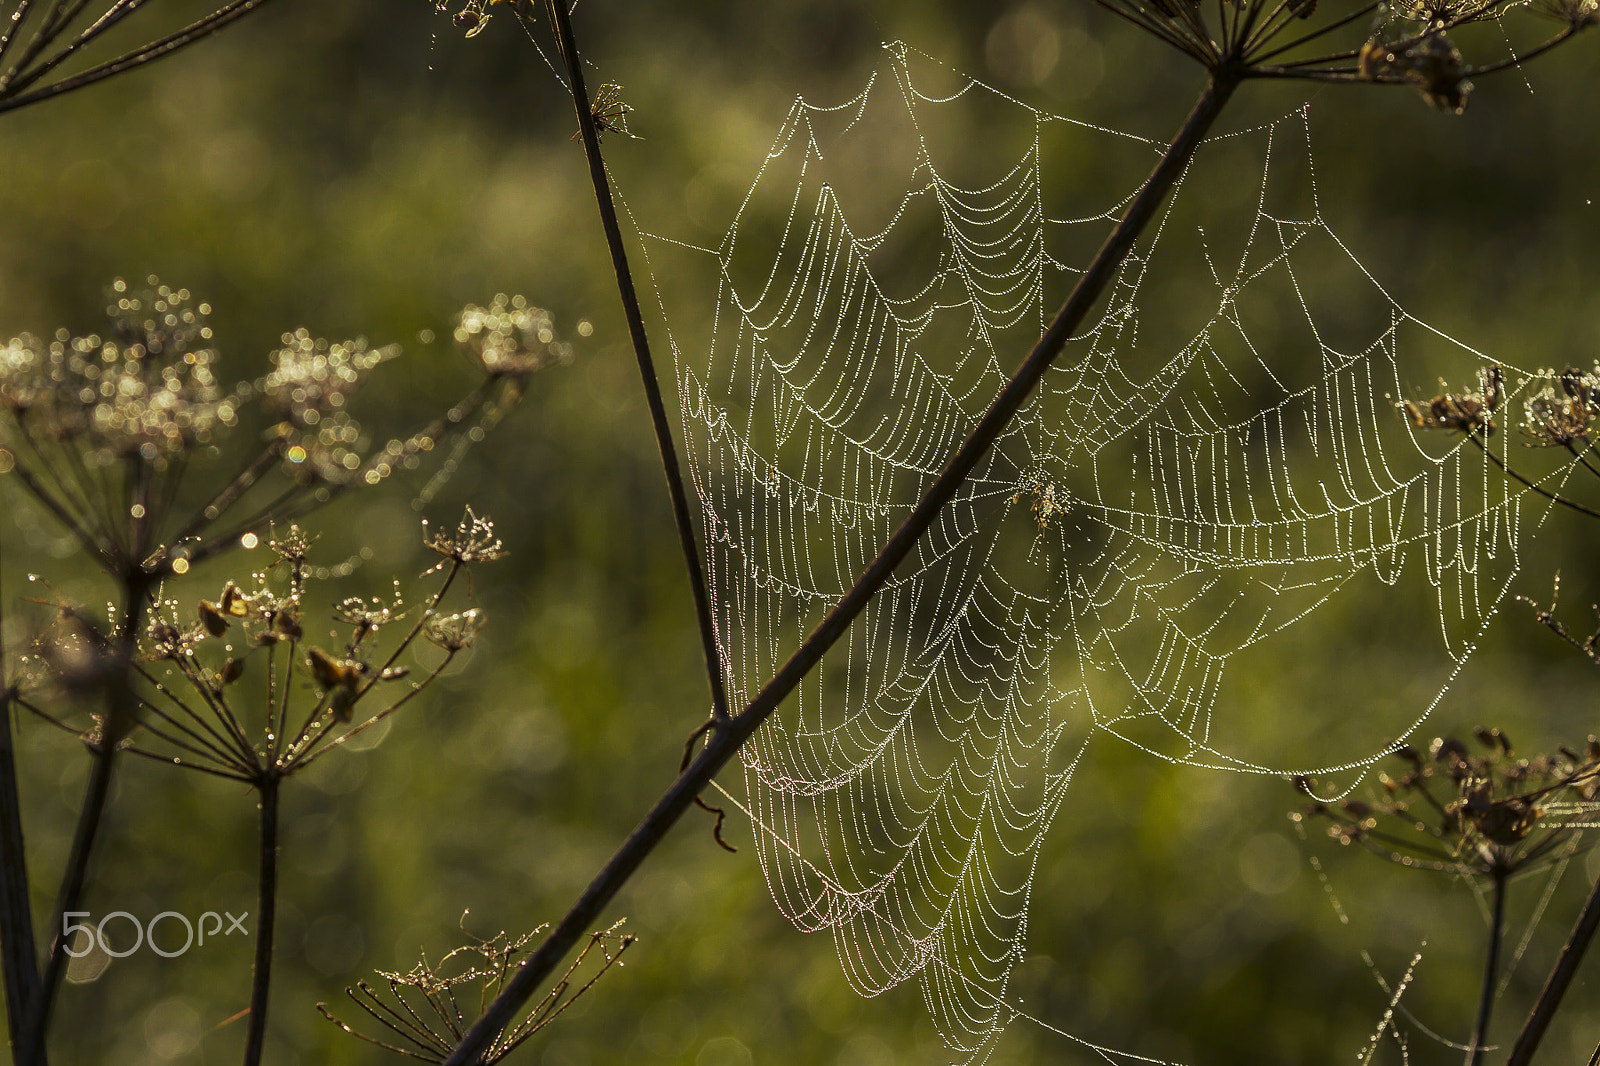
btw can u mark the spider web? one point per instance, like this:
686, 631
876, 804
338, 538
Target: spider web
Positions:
1187, 488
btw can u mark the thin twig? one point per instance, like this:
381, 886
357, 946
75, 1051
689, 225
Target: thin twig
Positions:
1546, 493
725, 742
149, 53
647, 371
1556, 985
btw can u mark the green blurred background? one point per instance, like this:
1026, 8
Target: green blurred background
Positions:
360, 168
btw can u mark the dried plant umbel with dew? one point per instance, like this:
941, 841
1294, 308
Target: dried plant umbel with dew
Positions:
1558, 411
424, 1007
1404, 42
1480, 813
196, 658
240, 688
109, 433
119, 437
42, 43
510, 339
610, 112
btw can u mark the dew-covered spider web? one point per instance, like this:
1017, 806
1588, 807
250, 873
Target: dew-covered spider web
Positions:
1210, 482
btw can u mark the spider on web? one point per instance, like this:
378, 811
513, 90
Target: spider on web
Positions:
1045, 506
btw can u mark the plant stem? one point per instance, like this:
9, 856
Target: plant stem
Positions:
266, 911
17, 952
1491, 966
14, 81
641, 348
725, 742
1513, 475
19, 961
1556, 984
121, 714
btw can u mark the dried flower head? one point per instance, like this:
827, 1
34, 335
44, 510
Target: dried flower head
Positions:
1560, 413
1406, 42
311, 378
510, 338
144, 396
1459, 809
1430, 62
454, 632
609, 112
147, 389
369, 615
1465, 412
424, 1007
196, 702
473, 541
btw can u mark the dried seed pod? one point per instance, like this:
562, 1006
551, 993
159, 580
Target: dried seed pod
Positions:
332, 673
213, 618
234, 603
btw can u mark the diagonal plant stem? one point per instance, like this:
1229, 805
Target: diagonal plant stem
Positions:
11, 96
641, 349
1476, 439
725, 742
1556, 985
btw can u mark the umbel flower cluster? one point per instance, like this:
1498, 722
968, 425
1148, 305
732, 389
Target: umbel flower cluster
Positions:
1484, 813
510, 338
1403, 42
1557, 412
255, 685
424, 1009
107, 431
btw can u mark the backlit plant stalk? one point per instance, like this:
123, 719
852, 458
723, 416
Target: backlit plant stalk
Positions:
108, 433
38, 38
1234, 41
194, 700
1486, 818
1558, 411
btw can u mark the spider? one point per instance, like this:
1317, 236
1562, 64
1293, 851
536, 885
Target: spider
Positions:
473, 18
1046, 508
